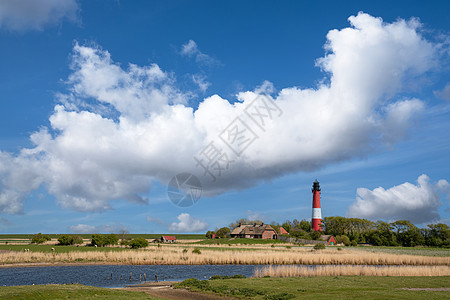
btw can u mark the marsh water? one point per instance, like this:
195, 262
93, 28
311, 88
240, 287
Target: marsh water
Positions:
115, 275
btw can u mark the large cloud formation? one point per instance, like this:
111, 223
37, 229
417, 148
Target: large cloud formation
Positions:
187, 223
417, 203
119, 129
21, 15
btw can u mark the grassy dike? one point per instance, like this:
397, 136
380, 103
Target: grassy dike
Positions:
67, 291
326, 287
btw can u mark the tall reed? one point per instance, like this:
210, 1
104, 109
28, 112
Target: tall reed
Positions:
299, 271
169, 255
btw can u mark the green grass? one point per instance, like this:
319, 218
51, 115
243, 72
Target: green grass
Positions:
422, 251
226, 241
70, 291
343, 287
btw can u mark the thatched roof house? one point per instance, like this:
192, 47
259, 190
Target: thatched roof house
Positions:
254, 231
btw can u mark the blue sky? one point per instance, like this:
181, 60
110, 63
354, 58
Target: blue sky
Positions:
103, 102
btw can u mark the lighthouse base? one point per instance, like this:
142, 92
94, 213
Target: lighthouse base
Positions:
316, 225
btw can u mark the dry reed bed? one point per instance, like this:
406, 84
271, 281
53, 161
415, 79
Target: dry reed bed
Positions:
296, 271
176, 256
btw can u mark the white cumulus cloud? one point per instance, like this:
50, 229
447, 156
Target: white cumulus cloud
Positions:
187, 223
416, 203
22, 15
82, 228
120, 128
85, 228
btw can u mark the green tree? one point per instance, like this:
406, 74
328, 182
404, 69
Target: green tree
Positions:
437, 235
98, 239
138, 243
223, 232
382, 235
111, 239
209, 234
315, 234
300, 234
65, 239
343, 239
287, 226
305, 225
40, 238
407, 234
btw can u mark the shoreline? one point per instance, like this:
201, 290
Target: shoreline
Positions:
105, 263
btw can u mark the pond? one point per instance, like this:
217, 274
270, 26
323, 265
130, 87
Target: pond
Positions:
100, 275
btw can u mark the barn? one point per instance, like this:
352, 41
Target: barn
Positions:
168, 239
329, 239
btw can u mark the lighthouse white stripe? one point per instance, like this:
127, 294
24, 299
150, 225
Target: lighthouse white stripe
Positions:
317, 213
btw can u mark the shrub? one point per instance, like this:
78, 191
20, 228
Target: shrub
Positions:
194, 283
354, 243
125, 242
65, 239
196, 251
281, 296
40, 238
77, 240
343, 239
104, 240
98, 239
223, 232
111, 239
319, 246
185, 251
138, 243
316, 234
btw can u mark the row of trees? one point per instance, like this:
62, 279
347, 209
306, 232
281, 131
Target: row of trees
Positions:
380, 233
352, 231
102, 240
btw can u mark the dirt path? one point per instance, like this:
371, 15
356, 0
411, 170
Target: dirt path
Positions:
165, 290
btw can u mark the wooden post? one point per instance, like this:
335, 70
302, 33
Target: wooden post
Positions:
145, 277
139, 278
131, 273
111, 276
120, 276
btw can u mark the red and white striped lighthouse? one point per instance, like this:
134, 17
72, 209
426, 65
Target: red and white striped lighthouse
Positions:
316, 211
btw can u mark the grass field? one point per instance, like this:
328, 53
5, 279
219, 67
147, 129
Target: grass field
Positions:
423, 251
71, 291
239, 241
342, 287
